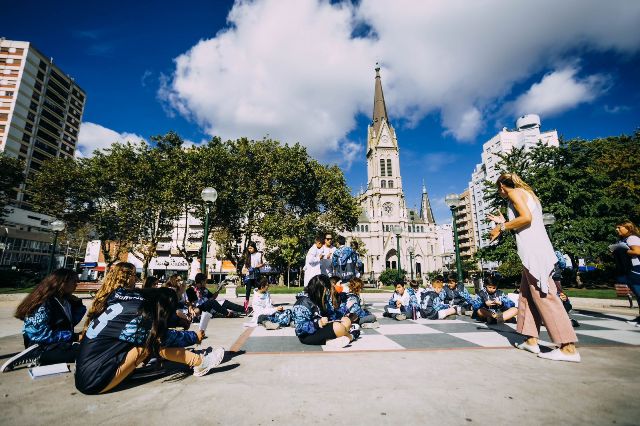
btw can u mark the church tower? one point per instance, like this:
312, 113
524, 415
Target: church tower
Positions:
383, 163
425, 207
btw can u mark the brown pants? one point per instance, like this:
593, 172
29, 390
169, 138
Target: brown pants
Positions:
137, 355
536, 308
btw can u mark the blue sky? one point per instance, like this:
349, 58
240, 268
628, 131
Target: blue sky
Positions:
453, 73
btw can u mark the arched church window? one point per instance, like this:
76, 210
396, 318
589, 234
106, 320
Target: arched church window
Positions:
383, 183
366, 228
390, 184
389, 173
382, 171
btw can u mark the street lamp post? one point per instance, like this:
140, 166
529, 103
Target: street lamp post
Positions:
397, 229
411, 251
209, 196
166, 266
56, 226
452, 201
548, 219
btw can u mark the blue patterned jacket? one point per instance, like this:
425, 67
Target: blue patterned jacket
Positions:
458, 296
306, 315
49, 323
431, 303
409, 300
484, 296
356, 307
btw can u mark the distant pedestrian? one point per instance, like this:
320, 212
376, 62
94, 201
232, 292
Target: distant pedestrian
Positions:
538, 259
151, 282
312, 261
253, 261
630, 236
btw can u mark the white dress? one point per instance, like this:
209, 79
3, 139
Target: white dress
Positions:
534, 247
312, 264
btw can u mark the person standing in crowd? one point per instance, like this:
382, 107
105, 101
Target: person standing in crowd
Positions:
312, 261
538, 302
49, 313
630, 248
344, 261
253, 261
326, 256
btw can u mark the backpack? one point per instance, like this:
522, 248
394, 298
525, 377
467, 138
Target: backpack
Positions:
347, 267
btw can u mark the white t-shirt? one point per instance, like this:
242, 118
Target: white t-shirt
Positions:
634, 240
256, 259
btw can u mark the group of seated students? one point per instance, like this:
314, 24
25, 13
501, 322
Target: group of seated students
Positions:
125, 327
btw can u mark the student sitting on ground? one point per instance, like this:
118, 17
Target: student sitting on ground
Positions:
431, 306
49, 313
310, 316
202, 300
335, 299
401, 304
492, 305
181, 317
271, 317
132, 328
457, 295
417, 290
353, 305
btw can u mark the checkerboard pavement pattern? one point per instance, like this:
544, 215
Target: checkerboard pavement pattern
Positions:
460, 333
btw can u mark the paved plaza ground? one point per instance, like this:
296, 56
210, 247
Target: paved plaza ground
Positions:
411, 372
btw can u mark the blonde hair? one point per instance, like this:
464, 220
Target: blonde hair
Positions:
633, 229
437, 283
512, 180
355, 285
118, 276
175, 282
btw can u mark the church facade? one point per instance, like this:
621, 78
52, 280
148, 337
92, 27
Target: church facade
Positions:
391, 232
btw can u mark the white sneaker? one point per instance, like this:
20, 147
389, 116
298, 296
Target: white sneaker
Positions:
339, 342
534, 349
558, 355
374, 324
269, 325
209, 361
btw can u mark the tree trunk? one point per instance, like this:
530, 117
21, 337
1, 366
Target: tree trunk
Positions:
288, 269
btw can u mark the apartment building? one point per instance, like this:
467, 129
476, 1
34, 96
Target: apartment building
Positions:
41, 110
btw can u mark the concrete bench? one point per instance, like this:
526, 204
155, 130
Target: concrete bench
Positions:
622, 290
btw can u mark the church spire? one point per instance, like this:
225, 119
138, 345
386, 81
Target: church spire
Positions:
379, 107
425, 206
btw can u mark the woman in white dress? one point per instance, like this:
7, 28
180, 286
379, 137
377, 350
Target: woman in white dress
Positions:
539, 302
312, 261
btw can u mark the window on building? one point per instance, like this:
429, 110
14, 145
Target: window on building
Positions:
390, 184
366, 228
383, 183
382, 171
389, 173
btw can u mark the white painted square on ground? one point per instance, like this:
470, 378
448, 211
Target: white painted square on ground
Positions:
483, 338
405, 328
621, 336
616, 325
260, 331
369, 342
428, 321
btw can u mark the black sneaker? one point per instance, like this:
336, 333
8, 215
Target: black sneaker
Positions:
575, 323
29, 357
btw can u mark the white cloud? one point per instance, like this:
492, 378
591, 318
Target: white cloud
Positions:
292, 69
94, 136
559, 91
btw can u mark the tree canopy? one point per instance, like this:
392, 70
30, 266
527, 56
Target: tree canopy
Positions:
588, 185
133, 194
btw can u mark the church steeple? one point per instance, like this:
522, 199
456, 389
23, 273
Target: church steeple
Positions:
379, 107
425, 206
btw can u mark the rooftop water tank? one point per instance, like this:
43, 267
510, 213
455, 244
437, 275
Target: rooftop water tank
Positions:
528, 121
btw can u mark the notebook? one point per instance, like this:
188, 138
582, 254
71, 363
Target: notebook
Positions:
48, 370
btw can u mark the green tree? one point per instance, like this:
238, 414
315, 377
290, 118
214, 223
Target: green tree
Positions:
11, 176
390, 276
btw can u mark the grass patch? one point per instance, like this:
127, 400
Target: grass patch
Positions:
14, 290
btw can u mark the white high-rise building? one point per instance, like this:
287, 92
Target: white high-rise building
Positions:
384, 206
40, 114
526, 135
40, 108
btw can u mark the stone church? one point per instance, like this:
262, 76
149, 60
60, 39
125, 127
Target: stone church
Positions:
386, 220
